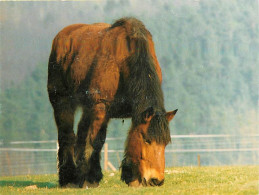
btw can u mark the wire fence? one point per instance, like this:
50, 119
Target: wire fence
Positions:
40, 157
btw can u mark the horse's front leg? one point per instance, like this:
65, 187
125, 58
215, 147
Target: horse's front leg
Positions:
90, 139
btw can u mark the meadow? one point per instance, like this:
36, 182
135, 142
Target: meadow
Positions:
178, 180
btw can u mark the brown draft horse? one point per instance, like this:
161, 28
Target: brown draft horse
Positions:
111, 71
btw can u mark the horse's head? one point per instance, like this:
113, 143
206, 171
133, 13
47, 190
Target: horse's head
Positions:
144, 161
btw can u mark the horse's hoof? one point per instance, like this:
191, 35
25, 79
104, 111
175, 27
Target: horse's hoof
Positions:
87, 185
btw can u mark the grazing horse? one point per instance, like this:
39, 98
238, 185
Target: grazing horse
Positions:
110, 71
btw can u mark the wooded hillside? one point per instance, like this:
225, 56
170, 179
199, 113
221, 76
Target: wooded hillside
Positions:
208, 51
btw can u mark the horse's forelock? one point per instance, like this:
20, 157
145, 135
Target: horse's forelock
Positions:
158, 129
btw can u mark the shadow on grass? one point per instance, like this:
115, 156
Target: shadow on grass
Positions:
28, 183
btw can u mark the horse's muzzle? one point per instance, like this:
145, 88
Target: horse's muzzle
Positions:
152, 182
156, 182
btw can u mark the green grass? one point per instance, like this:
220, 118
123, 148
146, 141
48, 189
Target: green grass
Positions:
178, 180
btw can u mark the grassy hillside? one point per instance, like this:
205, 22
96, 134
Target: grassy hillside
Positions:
180, 180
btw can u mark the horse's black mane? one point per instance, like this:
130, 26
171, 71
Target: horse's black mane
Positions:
144, 88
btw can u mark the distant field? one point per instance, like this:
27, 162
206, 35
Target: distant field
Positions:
178, 180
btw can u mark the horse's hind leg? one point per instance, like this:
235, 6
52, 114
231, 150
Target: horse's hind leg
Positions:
64, 117
90, 139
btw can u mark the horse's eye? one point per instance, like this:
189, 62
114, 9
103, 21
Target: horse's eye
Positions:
147, 141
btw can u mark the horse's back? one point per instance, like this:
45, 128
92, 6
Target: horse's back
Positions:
74, 38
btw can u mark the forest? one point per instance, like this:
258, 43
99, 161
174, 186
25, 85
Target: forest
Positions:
208, 52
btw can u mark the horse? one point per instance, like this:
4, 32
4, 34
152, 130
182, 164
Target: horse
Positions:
110, 71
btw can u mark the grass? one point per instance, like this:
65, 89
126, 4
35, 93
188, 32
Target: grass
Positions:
178, 180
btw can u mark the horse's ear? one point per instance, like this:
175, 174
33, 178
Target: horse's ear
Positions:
148, 114
170, 115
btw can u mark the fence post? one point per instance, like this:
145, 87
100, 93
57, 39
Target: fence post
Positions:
199, 160
118, 158
111, 166
105, 156
8, 163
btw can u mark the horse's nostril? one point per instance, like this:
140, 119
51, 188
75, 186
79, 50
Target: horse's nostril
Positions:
144, 182
156, 182
161, 182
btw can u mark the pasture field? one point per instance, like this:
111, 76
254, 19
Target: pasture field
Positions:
178, 180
